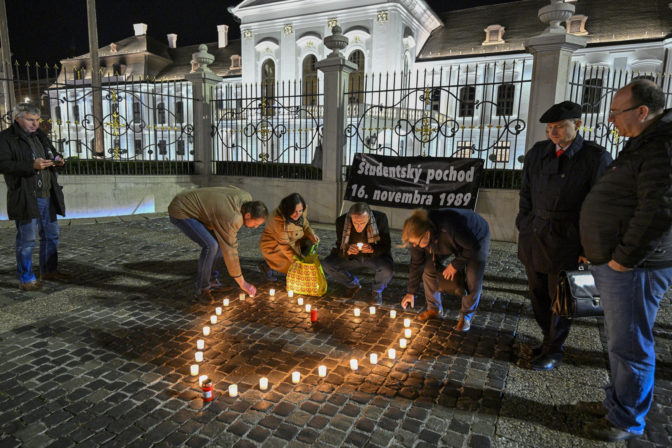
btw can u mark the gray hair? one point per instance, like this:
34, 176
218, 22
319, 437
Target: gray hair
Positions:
360, 208
26, 108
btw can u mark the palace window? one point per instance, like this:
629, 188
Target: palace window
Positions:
493, 35
467, 101
505, 99
592, 96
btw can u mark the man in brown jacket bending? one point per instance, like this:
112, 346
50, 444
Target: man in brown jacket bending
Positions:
211, 217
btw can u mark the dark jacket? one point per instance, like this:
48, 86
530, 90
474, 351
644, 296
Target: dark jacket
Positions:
381, 248
551, 194
16, 163
456, 231
627, 216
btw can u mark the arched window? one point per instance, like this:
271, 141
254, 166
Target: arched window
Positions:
356, 84
592, 96
309, 80
268, 86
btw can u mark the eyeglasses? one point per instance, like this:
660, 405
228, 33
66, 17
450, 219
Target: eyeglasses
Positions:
612, 113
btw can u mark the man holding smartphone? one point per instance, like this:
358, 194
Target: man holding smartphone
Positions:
34, 198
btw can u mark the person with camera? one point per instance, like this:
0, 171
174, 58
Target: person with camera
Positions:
34, 197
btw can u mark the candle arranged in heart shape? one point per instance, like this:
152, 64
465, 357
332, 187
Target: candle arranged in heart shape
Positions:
271, 292
322, 371
391, 353
206, 331
296, 377
408, 333
393, 314
213, 319
233, 390
218, 311
356, 312
407, 322
402, 343
199, 356
353, 364
225, 302
194, 369
263, 383
290, 293
200, 344
373, 358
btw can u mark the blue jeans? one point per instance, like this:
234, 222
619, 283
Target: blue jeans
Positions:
630, 300
474, 272
337, 269
25, 243
210, 251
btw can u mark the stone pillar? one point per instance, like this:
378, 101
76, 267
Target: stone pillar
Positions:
337, 72
203, 82
552, 51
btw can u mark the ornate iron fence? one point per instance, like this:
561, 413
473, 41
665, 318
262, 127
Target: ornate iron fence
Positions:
463, 111
593, 87
269, 130
147, 124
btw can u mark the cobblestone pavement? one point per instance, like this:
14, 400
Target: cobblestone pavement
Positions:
104, 359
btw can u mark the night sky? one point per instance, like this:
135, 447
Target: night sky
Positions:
51, 30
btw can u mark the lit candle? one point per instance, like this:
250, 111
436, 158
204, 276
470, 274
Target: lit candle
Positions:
391, 353
373, 358
263, 383
407, 322
225, 302
296, 376
321, 371
194, 369
407, 333
200, 344
213, 319
241, 296
356, 312
271, 292
233, 390
206, 331
218, 311
307, 307
402, 343
300, 301
393, 314
372, 310
353, 364
359, 246
199, 356
290, 293
201, 379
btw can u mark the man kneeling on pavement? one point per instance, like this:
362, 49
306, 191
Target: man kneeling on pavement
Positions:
362, 241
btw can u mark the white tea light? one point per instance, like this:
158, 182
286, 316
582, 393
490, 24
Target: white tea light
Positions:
407, 333
300, 301
359, 246
194, 369
290, 293
199, 356
233, 390
213, 319
322, 371
373, 358
241, 296
353, 364
407, 323
393, 314
391, 353
357, 312
200, 344
402, 343
206, 331
372, 310
263, 383
201, 379
218, 311
271, 292
225, 302
308, 307
296, 377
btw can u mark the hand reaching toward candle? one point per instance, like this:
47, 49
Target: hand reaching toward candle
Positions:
247, 287
367, 249
353, 249
409, 299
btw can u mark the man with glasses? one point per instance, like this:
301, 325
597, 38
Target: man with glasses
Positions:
557, 175
34, 198
444, 242
626, 231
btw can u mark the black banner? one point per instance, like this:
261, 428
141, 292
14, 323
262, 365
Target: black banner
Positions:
412, 182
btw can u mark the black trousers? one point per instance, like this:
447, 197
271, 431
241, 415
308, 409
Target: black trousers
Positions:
555, 329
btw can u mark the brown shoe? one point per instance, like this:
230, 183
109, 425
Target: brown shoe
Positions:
56, 276
30, 286
429, 314
463, 325
205, 297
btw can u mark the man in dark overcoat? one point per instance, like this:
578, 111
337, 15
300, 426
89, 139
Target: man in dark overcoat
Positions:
557, 175
34, 198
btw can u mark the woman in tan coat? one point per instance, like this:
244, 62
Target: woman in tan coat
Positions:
287, 234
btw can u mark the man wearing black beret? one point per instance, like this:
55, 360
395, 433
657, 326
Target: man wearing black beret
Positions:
557, 175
